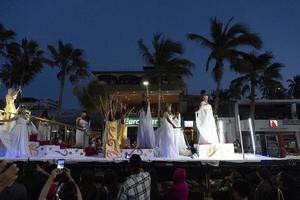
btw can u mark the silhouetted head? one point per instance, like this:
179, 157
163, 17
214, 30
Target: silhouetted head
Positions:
135, 162
263, 173
87, 175
67, 191
110, 177
240, 189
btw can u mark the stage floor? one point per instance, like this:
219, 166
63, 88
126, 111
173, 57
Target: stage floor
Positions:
236, 158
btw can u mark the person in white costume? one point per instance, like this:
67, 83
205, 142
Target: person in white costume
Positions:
166, 135
205, 123
44, 129
16, 141
180, 141
83, 124
10, 108
145, 133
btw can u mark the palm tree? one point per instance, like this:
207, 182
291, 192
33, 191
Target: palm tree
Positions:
294, 87
223, 44
5, 36
166, 60
92, 96
24, 62
258, 71
70, 62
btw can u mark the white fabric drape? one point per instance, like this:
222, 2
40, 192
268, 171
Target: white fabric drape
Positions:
181, 146
166, 138
145, 133
16, 141
206, 125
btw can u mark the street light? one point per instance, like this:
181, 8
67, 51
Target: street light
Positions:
146, 84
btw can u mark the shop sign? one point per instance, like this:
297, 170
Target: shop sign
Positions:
134, 121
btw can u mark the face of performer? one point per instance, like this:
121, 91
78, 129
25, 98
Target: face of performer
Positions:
83, 115
205, 98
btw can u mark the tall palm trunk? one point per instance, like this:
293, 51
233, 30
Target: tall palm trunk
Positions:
61, 93
22, 79
252, 99
159, 102
217, 99
218, 77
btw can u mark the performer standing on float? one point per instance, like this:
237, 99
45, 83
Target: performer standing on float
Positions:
16, 140
82, 137
205, 122
10, 108
44, 129
166, 135
181, 144
145, 133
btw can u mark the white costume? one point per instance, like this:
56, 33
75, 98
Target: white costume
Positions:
16, 141
145, 133
206, 125
44, 131
82, 138
166, 140
182, 148
10, 108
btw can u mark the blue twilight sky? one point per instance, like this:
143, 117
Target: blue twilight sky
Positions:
108, 32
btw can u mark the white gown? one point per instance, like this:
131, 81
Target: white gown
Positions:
44, 131
82, 138
16, 141
145, 133
182, 148
166, 140
206, 125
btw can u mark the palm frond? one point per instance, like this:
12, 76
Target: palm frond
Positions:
202, 40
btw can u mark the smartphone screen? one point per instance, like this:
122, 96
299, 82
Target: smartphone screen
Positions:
60, 164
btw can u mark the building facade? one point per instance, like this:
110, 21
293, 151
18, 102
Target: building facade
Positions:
128, 87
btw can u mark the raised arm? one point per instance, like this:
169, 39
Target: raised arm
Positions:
45, 190
9, 120
68, 174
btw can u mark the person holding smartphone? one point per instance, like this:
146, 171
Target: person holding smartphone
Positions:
66, 191
8, 174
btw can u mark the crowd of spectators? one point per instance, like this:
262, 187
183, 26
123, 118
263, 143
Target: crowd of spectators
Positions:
43, 182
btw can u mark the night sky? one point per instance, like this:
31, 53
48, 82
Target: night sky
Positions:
108, 32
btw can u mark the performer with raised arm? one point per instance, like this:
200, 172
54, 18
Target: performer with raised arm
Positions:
145, 133
205, 122
166, 135
10, 108
16, 140
83, 123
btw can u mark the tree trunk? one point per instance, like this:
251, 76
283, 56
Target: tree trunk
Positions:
61, 93
218, 73
252, 101
217, 99
159, 103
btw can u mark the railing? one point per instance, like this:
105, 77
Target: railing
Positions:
67, 129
